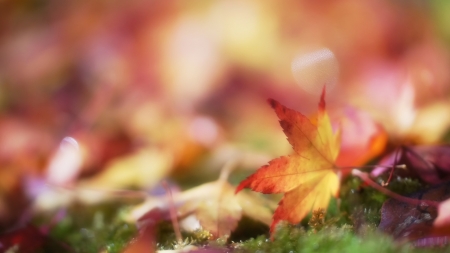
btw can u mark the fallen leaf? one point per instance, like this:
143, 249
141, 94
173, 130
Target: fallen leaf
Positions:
431, 164
395, 97
144, 241
431, 123
220, 213
30, 239
422, 224
388, 96
222, 210
442, 221
143, 168
214, 205
308, 177
362, 138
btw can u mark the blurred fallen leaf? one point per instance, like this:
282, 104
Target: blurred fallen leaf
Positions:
442, 221
214, 205
414, 223
219, 214
30, 239
390, 95
431, 123
142, 169
143, 242
361, 137
430, 164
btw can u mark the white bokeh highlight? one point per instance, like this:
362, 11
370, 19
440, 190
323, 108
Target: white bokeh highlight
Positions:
314, 70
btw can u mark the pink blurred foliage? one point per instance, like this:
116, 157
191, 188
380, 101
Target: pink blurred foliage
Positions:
361, 138
118, 76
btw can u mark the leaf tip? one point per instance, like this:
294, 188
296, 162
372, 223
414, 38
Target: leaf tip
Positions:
273, 103
322, 99
240, 187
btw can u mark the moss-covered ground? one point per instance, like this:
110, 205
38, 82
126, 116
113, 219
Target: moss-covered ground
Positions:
349, 225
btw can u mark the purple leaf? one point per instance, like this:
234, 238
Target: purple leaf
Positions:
414, 222
430, 164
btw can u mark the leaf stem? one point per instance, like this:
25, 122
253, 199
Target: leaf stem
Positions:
365, 177
399, 166
227, 169
347, 168
392, 170
173, 214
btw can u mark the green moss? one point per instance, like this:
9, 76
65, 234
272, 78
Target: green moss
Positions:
93, 228
359, 206
349, 225
363, 203
331, 239
166, 238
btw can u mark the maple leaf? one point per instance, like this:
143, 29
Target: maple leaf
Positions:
308, 177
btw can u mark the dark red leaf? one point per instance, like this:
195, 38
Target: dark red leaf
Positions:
414, 222
431, 164
29, 239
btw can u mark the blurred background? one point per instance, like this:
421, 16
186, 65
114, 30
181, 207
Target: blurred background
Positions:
120, 94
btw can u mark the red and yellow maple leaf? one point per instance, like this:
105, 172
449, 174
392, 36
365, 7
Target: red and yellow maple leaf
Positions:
308, 177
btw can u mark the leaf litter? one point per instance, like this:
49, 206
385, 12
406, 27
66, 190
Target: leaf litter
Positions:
309, 179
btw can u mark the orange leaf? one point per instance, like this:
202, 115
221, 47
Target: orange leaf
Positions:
308, 177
